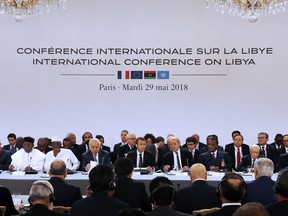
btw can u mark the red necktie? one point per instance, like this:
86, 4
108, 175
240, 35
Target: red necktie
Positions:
238, 157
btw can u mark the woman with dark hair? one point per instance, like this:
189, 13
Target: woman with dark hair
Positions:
6, 200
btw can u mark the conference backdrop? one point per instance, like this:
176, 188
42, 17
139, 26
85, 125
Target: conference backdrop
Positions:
148, 66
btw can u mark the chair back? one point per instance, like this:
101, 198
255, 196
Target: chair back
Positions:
204, 211
62, 209
2, 210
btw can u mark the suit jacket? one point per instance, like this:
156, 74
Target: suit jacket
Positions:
231, 152
278, 209
148, 159
281, 150
165, 211
205, 149
195, 157
65, 194
260, 190
9, 149
161, 152
6, 200
246, 161
274, 145
99, 204
282, 161
125, 149
207, 160
102, 155
132, 192
42, 210
187, 200
225, 211
115, 154
168, 159
271, 153
106, 148
5, 159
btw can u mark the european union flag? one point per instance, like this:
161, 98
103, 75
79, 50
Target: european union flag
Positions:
162, 74
136, 74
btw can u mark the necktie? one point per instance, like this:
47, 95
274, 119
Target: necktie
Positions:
253, 163
178, 161
213, 154
238, 157
263, 150
192, 156
140, 160
156, 154
95, 158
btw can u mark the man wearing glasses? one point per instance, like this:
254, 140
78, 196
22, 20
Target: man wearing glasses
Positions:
266, 150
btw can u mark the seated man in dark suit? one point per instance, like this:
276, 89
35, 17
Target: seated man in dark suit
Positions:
248, 161
65, 194
220, 160
199, 195
115, 154
283, 154
231, 191
100, 200
5, 158
194, 153
102, 141
158, 150
142, 158
236, 151
266, 150
162, 194
261, 189
176, 158
94, 154
11, 147
128, 190
199, 145
205, 148
281, 193
131, 140
278, 141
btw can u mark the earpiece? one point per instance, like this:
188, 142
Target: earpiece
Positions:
112, 186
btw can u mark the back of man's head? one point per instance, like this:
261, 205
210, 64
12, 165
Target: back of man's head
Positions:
281, 184
198, 171
58, 168
263, 167
123, 166
251, 209
161, 191
232, 188
101, 179
41, 190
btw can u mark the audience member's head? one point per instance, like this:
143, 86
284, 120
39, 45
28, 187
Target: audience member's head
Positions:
131, 139
263, 138
263, 167
198, 171
281, 185
161, 191
11, 137
58, 169
174, 144
140, 144
251, 209
232, 188
123, 167
41, 192
160, 141
131, 212
212, 143
101, 179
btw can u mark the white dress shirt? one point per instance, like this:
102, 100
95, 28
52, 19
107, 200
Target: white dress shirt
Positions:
65, 155
22, 159
175, 160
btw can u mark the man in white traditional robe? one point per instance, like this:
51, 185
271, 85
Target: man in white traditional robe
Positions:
63, 154
27, 158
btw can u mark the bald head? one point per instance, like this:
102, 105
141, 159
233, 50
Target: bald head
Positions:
58, 168
198, 171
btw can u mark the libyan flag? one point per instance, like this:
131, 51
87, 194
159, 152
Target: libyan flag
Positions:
149, 74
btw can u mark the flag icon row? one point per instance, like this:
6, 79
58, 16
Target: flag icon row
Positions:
147, 74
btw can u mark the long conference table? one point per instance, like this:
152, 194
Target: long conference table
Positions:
21, 183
